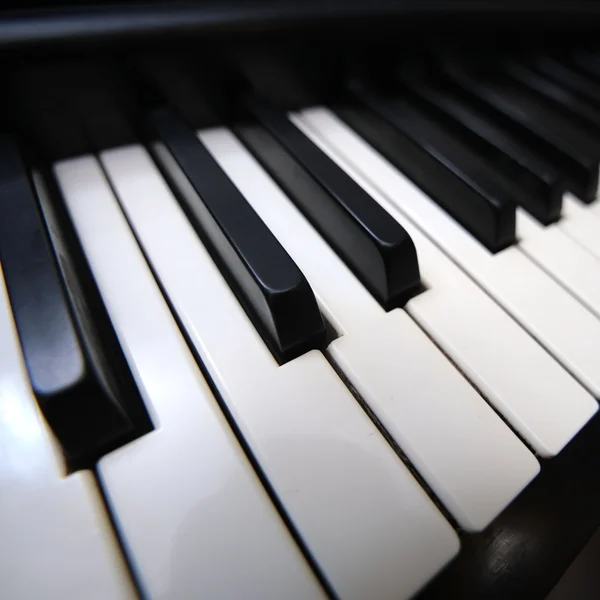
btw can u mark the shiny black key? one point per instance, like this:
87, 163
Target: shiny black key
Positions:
578, 109
371, 242
265, 279
569, 77
75, 366
453, 175
541, 185
519, 112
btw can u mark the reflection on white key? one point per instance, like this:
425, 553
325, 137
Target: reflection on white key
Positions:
429, 409
57, 539
498, 356
194, 516
580, 223
557, 320
363, 517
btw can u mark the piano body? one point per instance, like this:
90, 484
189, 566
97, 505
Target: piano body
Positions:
298, 299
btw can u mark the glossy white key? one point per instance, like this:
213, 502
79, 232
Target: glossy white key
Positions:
547, 411
437, 421
560, 323
580, 223
574, 267
194, 516
594, 207
363, 517
57, 539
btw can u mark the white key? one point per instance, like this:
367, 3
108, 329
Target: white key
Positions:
594, 207
495, 353
557, 320
574, 267
57, 538
194, 516
581, 223
363, 517
436, 420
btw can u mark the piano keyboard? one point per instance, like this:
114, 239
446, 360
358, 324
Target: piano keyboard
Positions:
300, 355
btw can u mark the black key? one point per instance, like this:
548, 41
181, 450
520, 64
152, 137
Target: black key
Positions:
539, 158
511, 156
370, 241
538, 124
579, 110
75, 365
265, 279
588, 63
568, 77
454, 176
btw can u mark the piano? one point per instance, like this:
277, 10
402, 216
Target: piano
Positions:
298, 300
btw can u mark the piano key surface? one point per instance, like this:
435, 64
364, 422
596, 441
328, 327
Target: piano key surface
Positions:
435, 422
500, 370
488, 338
580, 223
359, 511
562, 325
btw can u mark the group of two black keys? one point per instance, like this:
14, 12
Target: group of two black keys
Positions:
76, 367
